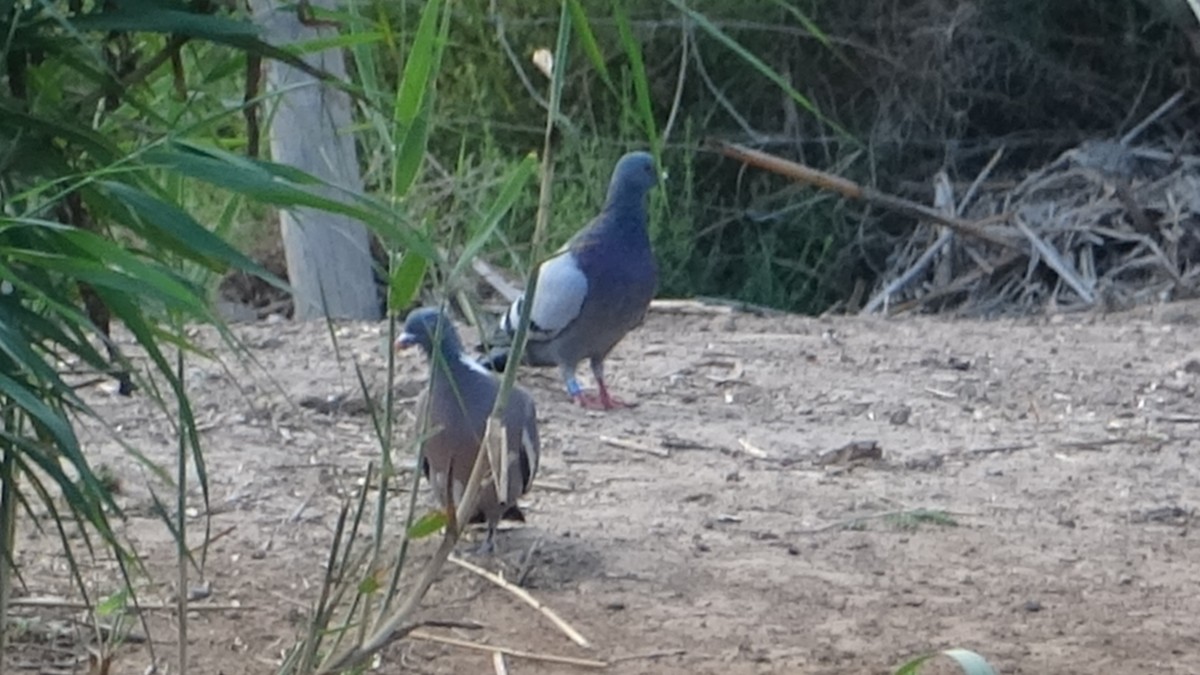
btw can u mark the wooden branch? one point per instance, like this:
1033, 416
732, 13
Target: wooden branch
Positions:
909, 274
495, 279
850, 189
957, 286
1056, 262
517, 653
626, 444
525, 597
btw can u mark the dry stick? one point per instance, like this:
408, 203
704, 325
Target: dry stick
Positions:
1178, 419
877, 516
753, 450
552, 486
495, 279
1157, 113
498, 663
527, 562
62, 603
911, 273
969, 195
216, 537
959, 285
850, 189
1102, 443
995, 449
683, 60
517, 653
525, 597
690, 307
649, 655
634, 446
1149, 243
1056, 263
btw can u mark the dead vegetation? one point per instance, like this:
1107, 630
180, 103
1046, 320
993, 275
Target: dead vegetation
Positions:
1107, 224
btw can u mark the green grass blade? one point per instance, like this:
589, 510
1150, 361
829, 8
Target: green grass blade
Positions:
183, 233
587, 40
970, 662
151, 16
637, 66
514, 186
49, 419
807, 23
412, 151
284, 187
760, 66
420, 66
81, 259
339, 41
405, 281
413, 107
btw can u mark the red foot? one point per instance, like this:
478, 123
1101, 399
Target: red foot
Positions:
601, 401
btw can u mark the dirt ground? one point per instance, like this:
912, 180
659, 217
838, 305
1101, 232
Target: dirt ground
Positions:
1030, 502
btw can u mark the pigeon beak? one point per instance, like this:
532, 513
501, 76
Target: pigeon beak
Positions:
405, 341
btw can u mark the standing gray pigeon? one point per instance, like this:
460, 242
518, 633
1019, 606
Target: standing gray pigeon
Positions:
455, 409
594, 290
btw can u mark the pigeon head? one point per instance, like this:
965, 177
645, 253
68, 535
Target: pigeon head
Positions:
633, 176
422, 328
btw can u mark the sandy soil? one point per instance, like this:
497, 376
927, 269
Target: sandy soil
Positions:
1031, 501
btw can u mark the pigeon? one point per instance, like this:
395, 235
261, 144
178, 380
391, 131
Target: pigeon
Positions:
593, 291
455, 408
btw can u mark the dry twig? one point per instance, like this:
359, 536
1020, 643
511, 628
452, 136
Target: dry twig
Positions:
525, 597
516, 653
625, 444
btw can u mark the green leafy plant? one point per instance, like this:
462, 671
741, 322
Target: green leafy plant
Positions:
94, 160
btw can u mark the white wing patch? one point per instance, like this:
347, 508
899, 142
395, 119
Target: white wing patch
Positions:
562, 288
475, 365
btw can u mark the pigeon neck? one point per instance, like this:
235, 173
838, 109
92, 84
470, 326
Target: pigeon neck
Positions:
625, 210
447, 353
448, 370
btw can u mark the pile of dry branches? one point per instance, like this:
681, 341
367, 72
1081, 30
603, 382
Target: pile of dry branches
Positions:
1106, 225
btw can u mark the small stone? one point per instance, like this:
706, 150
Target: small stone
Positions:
1032, 606
199, 591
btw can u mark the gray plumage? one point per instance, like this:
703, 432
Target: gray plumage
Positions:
455, 408
595, 290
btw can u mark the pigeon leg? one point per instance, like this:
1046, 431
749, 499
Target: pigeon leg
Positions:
573, 389
488, 547
604, 401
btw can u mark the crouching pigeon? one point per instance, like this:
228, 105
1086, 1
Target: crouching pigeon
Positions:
594, 290
455, 408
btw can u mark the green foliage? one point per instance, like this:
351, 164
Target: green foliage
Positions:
427, 525
108, 158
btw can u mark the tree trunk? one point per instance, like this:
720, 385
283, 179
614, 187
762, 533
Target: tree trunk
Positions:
328, 256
